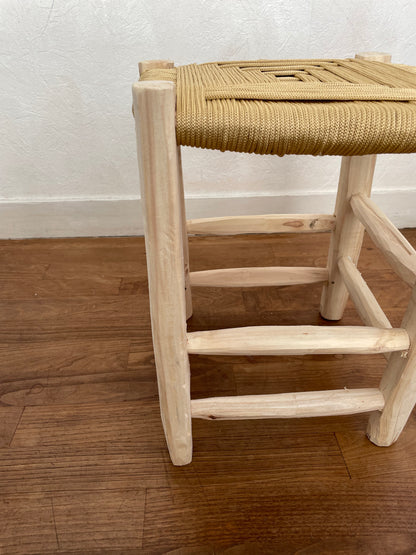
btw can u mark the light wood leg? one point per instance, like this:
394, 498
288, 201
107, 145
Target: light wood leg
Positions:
346, 240
398, 386
168, 64
356, 176
154, 109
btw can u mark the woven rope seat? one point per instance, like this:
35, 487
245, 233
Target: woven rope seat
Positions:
322, 107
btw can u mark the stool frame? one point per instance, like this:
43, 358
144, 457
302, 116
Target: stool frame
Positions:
170, 283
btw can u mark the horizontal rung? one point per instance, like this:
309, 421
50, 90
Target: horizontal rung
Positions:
257, 277
297, 340
395, 247
289, 405
269, 223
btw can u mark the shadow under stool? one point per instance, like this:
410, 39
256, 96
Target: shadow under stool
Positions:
355, 108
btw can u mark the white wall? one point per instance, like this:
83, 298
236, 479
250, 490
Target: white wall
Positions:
67, 148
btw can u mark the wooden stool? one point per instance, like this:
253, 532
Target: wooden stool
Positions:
160, 130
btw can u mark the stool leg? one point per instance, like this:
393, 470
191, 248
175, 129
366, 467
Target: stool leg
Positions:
154, 109
168, 64
398, 386
356, 176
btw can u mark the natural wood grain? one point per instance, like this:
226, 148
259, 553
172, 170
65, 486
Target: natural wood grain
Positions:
303, 373
297, 340
154, 109
88, 520
398, 385
78, 371
269, 223
374, 56
366, 304
366, 461
300, 458
29, 288
66, 358
398, 251
62, 448
9, 419
306, 515
167, 64
71, 318
27, 525
151, 64
258, 277
289, 405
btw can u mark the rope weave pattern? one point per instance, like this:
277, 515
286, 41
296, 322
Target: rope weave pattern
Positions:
337, 107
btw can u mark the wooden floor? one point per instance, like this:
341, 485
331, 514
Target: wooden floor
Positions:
83, 463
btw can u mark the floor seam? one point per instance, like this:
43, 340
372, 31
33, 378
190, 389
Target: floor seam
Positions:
342, 455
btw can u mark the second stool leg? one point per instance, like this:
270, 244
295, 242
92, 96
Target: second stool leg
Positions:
356, 177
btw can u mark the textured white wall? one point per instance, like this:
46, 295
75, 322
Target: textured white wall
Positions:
66, 68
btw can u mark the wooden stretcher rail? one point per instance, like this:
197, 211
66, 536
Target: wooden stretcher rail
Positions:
257, 277
297, 340
398, 251
366, 304
269, 223
289, 405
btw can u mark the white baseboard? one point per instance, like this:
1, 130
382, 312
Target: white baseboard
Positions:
117, 217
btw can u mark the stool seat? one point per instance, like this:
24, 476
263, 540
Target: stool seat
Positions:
343, 107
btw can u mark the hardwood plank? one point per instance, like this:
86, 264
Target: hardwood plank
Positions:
206, 375
86, 447
208, 252
66, 358
29, 288
289, 512
67, 258
74, 372
135, 285
100, 519
13, 269
71, 469
365, 461
94, 425
236, 457
386, 544
69, 318
303, 373
9, 419
27, 525
110, 388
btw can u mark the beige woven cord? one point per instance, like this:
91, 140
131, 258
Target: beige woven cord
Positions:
337, 107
